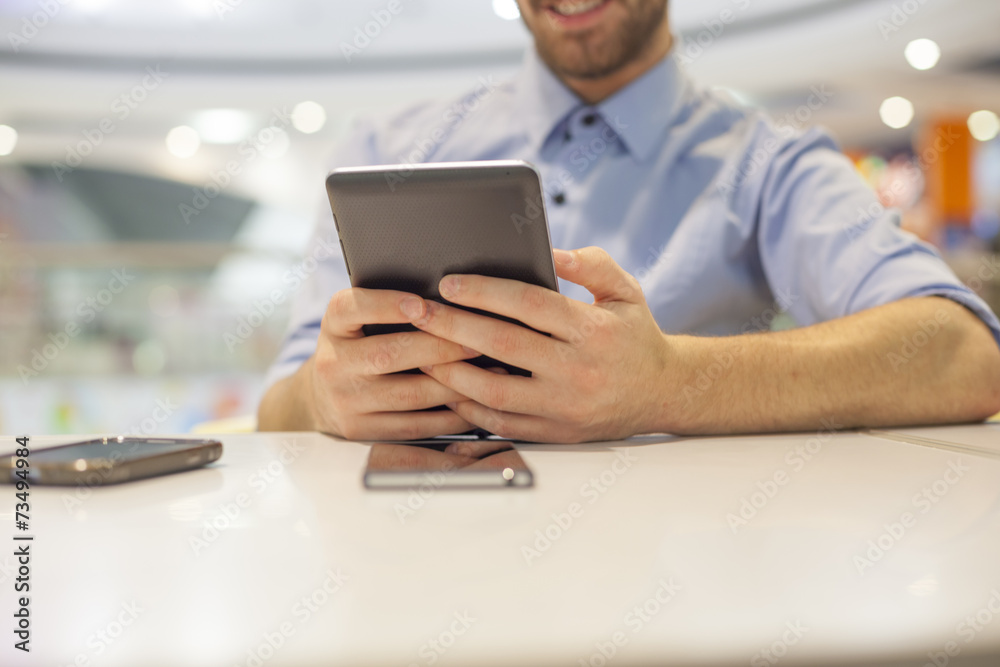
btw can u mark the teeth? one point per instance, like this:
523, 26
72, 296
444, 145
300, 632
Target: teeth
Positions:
574, 8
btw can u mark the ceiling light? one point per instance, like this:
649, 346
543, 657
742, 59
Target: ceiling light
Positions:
183, 141
506, 9
922, 53
222, 126
308, 117
984, 125
8, 139
896, 112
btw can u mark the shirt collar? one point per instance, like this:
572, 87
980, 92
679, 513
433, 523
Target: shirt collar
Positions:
640, 113
542, 99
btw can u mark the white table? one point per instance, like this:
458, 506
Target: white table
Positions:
119, 577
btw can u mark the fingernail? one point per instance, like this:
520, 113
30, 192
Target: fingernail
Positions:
426, 370
451, 406
412, 307
469, 350
449, 286
562, 257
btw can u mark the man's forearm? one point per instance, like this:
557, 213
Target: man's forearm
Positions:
916, 361
286, 405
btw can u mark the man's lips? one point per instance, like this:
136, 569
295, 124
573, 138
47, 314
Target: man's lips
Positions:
576, 14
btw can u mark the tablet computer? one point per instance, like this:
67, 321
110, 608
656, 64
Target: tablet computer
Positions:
404, 227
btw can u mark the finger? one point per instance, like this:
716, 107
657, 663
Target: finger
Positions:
403, 393
504, 341
594, 269
536, 306
406, 425
509, 393
350, 309
527, 428
477, 449
391, 353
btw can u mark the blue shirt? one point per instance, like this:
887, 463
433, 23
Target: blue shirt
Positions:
725, 216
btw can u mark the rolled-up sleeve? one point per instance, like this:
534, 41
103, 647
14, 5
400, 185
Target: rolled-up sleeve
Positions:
321, 272
827, 241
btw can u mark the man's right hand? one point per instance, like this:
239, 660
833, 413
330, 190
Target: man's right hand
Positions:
349, 387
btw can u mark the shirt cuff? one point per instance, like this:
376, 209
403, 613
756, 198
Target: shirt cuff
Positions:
297, 348
971, 301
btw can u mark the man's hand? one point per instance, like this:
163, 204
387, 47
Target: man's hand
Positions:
595, 378
349, 386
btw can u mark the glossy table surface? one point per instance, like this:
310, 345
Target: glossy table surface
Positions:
815, 548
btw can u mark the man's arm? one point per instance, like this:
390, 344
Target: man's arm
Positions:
608, 372
287, 404
917, 361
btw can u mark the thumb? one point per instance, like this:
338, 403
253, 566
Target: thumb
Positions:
594, 269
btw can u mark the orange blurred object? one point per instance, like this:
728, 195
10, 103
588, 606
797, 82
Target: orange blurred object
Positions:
944, 151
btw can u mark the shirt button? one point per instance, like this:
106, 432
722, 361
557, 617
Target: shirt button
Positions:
589, 119
559, 198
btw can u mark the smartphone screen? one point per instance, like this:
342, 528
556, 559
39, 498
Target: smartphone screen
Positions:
459, 464
113, 460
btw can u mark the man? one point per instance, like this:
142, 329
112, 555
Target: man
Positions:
709, 217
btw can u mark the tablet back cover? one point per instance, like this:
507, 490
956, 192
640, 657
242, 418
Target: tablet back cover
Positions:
406, 227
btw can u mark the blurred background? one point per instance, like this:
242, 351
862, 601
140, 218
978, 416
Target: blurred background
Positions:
161, 163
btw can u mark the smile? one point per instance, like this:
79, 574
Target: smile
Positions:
577, 13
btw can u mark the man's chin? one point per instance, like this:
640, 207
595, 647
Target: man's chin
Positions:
582, 66
587, 73
604, 49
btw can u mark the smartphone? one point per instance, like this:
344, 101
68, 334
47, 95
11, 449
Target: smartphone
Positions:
112, 460
404, 227
459, 464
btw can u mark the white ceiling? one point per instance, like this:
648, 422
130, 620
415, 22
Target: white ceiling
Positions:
269, 53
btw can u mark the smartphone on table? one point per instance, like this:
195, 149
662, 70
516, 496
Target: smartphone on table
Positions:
443, 463
109, 460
